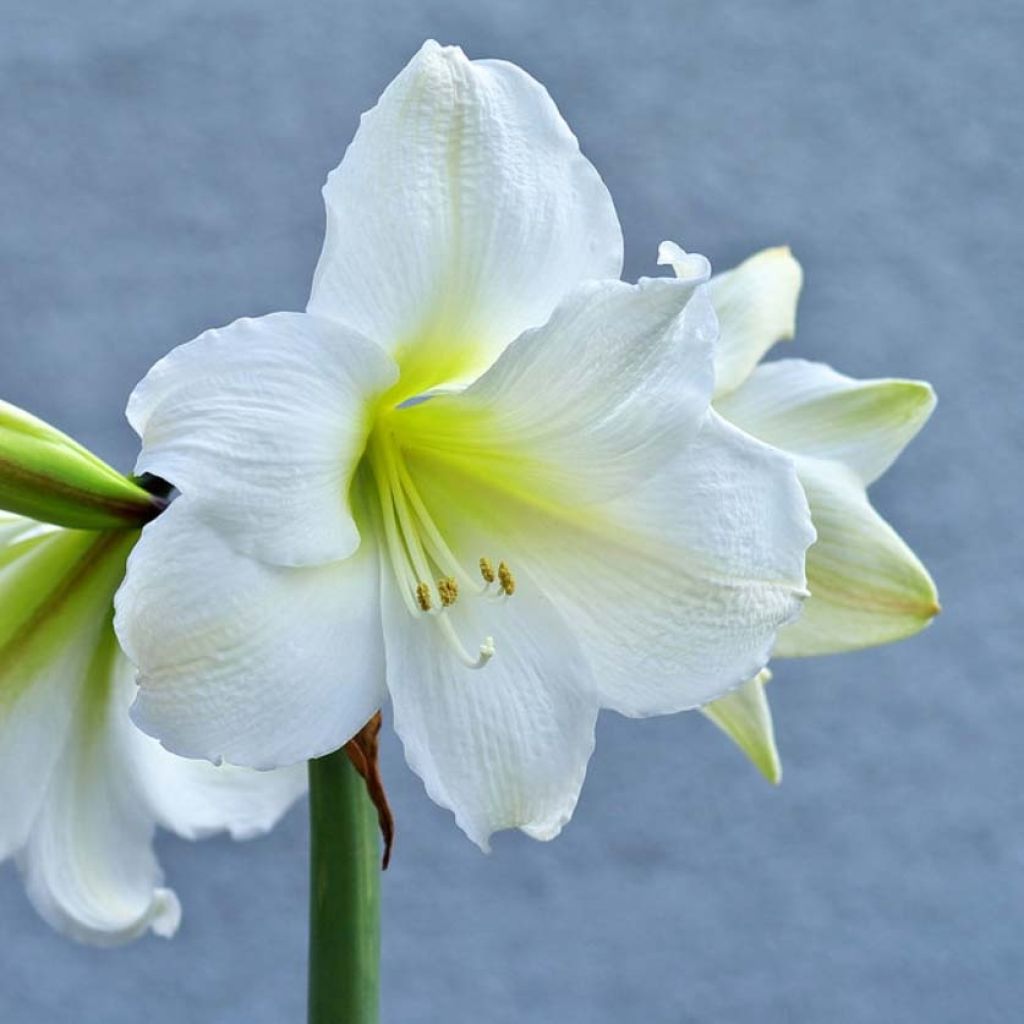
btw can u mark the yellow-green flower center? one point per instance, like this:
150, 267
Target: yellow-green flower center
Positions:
429, 573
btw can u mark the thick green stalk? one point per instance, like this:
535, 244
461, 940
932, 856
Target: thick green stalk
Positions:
344, 906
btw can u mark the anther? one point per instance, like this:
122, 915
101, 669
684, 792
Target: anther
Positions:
487, 570
506, 579
423, 598
448, 588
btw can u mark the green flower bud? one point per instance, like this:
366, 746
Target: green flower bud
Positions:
46, 475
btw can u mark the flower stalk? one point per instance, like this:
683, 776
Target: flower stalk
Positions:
344, 906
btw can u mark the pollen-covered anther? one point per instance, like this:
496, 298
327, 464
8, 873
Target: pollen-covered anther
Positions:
448, 588
423, 598
487, 570
506, 580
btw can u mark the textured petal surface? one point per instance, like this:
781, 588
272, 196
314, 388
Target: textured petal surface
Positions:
589, 405
261, 425
867, 587
260, 665
462, 212
809, 409
504, 746
756, 306
676, 588
745, 717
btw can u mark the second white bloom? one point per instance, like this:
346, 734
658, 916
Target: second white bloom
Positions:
466, 479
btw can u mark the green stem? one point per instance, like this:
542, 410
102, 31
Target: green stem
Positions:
344, 904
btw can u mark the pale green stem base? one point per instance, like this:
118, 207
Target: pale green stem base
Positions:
344, 905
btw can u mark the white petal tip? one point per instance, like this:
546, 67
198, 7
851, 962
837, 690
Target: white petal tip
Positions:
546, 831
668, 253
689, 266
166, 913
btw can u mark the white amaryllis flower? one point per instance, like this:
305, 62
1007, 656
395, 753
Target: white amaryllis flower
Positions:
466, 479
867, 586
81, 789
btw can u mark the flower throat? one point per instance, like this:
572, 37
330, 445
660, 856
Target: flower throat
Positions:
431, 579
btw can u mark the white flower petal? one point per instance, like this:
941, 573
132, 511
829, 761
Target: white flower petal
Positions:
195, 799
867, 587
745, 717
260, 665
89, 866
503, 746
756, 306
592, 403
261, 424
809, 409
679, 588
48, 630
676, 588
32, 732
462, 212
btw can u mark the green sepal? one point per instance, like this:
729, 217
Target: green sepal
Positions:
745, 717
46, 475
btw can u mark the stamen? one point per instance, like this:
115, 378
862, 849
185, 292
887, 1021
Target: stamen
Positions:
448, 588
418, 553
396, 549
506, 580
432, 539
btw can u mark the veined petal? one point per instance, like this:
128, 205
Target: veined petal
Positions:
756, 306
589, 405
89, 866
745, 717
255, 664
505, 746
461, 214
867, 587
261, 425
809, 409
55, 591
675, 589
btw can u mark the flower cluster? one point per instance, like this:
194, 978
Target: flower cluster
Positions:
479, 477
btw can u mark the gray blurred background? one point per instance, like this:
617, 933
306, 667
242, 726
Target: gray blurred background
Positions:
160, 167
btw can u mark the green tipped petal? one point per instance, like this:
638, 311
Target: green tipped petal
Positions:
867, 586
808, 409
745, 717
56, 587
47, 476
